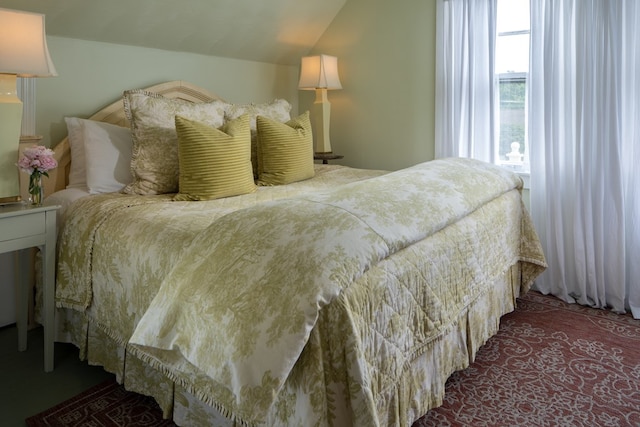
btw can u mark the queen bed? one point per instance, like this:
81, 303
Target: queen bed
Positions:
326, 295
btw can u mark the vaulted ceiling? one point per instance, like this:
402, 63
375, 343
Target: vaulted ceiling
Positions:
273, 31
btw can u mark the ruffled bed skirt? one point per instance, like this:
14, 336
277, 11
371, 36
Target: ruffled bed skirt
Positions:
420, 388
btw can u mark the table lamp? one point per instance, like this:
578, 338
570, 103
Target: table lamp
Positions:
23, 53
320, 73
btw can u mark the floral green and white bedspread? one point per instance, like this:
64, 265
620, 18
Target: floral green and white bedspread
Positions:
114, 250
242, 300
304, 304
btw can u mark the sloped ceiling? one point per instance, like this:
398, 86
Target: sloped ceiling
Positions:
273, 31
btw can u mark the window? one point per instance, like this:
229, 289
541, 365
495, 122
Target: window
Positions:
512, 67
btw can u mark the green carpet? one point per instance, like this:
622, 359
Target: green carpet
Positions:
25, 389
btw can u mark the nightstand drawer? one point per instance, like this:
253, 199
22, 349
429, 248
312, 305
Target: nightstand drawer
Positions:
20, 226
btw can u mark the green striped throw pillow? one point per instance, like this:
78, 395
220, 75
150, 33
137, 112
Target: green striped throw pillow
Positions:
214, 163
285, 150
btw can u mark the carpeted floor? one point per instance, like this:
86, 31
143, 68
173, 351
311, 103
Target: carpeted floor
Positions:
551, 364
105, 405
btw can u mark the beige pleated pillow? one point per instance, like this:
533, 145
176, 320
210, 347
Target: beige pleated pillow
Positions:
154, 160
214, 163
285, 150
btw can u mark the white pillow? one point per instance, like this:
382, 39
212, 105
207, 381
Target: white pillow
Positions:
100, 155
107, 150
77, 170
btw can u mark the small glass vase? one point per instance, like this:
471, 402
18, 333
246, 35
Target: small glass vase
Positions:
36, 191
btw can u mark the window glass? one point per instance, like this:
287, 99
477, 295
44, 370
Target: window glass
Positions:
513, 15
512, 53
512, 67
513, 123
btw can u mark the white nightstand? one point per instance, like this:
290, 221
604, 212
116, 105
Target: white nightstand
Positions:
23, 226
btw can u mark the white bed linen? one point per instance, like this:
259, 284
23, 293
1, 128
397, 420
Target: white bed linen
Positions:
64, 199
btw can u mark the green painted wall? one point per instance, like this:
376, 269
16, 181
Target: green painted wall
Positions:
92, 74
384, 116
382, 119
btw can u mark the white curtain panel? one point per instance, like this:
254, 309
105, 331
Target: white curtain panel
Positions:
466, 100
584, 128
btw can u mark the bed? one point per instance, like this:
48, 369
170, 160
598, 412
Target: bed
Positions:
346, 297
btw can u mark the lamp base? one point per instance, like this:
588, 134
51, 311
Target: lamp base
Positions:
321, 118
10, 200
10, 123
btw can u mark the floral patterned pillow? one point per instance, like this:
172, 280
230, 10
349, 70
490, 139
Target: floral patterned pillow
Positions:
154, 161
278, 109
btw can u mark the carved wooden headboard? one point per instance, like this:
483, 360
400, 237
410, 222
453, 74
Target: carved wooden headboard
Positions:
114, 114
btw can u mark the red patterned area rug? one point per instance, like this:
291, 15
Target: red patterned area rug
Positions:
551, 364
104, 405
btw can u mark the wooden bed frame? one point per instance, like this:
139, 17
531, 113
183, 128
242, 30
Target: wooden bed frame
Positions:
114, 114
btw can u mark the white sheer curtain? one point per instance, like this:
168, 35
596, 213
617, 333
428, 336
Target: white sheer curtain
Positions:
466, 100
584, 130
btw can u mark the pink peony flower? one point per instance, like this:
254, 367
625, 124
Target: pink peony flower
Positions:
37, 158
47, 163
